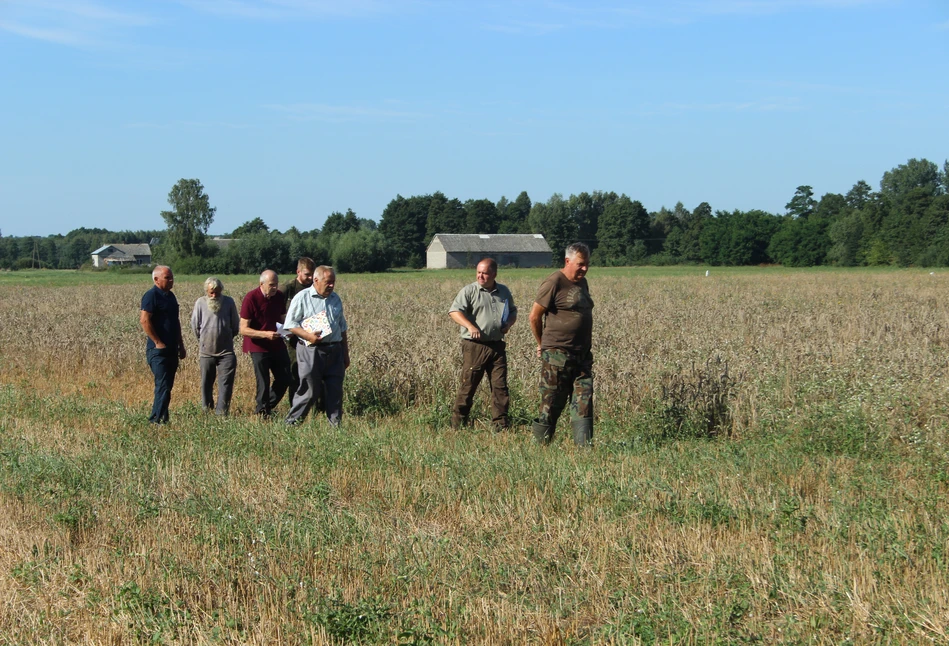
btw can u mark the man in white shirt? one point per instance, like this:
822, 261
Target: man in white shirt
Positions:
316, 317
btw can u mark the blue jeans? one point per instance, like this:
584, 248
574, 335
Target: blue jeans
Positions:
164, 365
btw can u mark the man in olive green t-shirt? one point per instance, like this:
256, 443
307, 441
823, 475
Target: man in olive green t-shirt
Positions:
485, 311
304, 279
562, 323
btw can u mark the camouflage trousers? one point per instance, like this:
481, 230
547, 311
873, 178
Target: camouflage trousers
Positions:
563, 377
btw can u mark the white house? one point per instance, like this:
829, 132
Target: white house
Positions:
122, 254
461, 250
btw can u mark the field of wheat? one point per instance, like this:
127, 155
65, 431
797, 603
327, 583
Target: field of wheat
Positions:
770, 466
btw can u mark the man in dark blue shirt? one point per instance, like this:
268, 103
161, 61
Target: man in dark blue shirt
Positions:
165, 345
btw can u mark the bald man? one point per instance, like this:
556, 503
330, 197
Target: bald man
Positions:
165, 345
261, 311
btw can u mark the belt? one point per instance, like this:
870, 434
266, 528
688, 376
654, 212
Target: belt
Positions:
326, 345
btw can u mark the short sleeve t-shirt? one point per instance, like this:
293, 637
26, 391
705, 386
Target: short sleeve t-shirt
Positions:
292, 289
263, 314
569, 321
163, 307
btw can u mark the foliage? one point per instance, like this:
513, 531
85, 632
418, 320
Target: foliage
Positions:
738, 238
250, 228
552, 220
403, 224
337, 223
190, 217
360, 251
697, 403
904, 223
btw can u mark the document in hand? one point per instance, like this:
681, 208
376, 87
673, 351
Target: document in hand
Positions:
317, 323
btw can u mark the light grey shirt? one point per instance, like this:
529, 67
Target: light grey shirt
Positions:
309, 303
215, 332
488, 309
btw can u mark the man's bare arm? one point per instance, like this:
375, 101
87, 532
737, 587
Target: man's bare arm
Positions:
537, 323
462, 320
146, 320
248, 331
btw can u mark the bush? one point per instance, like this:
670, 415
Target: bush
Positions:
362, 251
697, 403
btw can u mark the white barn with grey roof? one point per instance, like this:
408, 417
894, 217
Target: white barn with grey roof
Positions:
463, 250
122, 254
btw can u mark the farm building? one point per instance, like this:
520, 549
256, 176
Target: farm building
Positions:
122, 254
461, 250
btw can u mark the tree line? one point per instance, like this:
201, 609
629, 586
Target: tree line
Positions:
904, 223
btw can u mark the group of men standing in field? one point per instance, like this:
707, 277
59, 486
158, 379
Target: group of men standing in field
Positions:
297, 340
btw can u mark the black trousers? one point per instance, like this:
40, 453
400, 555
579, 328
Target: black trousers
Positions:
277, 364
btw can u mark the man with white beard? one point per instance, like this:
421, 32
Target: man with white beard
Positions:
215, 322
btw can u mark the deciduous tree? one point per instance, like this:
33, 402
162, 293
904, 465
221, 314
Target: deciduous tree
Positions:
190, 217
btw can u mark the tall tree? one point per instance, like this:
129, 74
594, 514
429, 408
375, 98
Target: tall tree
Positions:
552, 220
738, 238
622, 224
858, 196
514, 215
802, 204
337, 223
190, 217
250, 228
481, 216
403, 227
444, 216
585, 210
916, 173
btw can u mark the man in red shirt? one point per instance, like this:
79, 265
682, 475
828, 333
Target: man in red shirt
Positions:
261, 311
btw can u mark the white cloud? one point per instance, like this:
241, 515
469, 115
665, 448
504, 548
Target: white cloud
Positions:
342, 113
517, 27
79, 23
297, 9
512, 17
758, 105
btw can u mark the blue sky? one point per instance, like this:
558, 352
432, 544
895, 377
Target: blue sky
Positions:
289, 110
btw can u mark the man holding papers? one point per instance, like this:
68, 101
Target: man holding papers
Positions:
261, 314
485, 311
316, 317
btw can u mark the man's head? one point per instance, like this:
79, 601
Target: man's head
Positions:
213, 287
305, 268
324, 280
268, 283
487, 272
576, 262
163, 278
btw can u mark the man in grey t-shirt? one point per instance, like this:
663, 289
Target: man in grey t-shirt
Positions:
485, 311
215, 322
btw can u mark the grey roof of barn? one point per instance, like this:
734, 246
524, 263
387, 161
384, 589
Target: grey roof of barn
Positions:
126, 249
492, 243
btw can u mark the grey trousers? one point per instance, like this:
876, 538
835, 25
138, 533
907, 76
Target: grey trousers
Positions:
223, 368
321, 370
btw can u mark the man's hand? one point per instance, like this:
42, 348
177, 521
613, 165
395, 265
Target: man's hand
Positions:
182, 352
475, 332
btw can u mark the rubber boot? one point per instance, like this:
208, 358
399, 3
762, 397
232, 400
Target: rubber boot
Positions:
583, 431
543, 433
